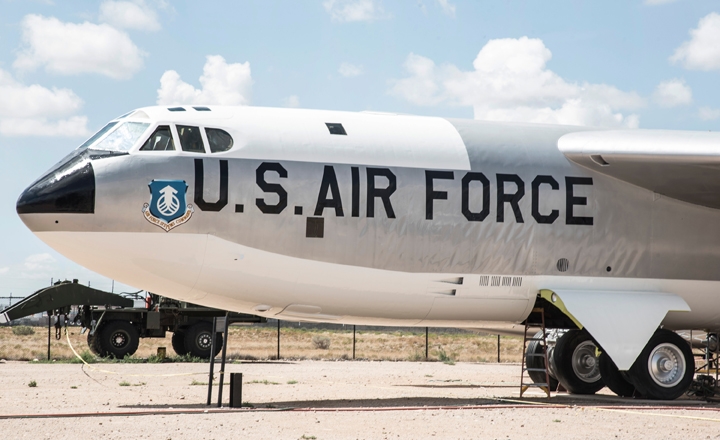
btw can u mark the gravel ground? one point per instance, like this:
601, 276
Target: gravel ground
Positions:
325, 400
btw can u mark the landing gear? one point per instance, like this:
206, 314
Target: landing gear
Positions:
664, 369
613, 378
532, 361
198, 340
178, 343
118, 339
575, 363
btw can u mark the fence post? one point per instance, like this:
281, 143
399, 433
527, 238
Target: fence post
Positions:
426, 343
278, 342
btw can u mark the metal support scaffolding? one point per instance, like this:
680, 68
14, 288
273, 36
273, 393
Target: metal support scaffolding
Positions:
353, 342
226, 330
278, 341
536, 313
49, 325
212, 361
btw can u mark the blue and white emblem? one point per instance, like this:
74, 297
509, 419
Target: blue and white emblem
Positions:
167, 208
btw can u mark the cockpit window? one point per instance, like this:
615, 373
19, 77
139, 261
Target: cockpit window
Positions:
219, 140
160, 140
123, 137
97, 135
190, 139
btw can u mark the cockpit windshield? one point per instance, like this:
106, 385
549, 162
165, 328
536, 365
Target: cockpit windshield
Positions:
97, 135
121, 138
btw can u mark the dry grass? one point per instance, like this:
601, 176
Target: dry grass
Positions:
260, 342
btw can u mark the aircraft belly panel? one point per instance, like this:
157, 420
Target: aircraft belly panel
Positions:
168, 265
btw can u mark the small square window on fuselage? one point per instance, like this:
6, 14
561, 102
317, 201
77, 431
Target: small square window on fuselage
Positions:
335, 128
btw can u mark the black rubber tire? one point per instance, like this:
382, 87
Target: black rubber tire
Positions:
641, 376
118, 339
178, 343
613, 378
197, 340
94, 344
536, 347
563, 360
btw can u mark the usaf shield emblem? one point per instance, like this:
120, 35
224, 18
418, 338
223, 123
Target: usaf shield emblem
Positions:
167, 208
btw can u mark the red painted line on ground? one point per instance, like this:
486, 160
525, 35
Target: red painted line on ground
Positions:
226, 410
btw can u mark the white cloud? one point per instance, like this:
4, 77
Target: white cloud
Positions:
4, 270
350, 70
69, 48
702, 52
447, 7
291, 101
222, 84
35, 110
39, 262
672, 93
510, 82
708, 113
658, 2
355, 10
129, 15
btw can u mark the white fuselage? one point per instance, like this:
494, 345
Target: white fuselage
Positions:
401, 221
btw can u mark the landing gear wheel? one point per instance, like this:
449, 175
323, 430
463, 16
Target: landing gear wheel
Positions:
198, 340
532, 361
665, 368
576, 365
613, 378
119, 339
178, 343
94, 343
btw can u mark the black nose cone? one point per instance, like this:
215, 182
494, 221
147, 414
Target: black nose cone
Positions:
68, 188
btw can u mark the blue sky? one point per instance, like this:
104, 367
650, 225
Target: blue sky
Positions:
68, 67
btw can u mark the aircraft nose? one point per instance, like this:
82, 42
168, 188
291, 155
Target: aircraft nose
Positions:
68, 188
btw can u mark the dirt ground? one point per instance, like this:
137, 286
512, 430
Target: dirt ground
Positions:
324, 400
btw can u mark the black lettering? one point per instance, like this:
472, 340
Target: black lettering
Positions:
475, 216
355, 199
200, 187
383, 193
271, 187
554, 214
430, 193
571, 201
512, 199
329, 182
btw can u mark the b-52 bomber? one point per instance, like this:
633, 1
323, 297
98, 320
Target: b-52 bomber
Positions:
386, 219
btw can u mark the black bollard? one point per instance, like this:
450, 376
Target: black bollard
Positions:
235, 390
